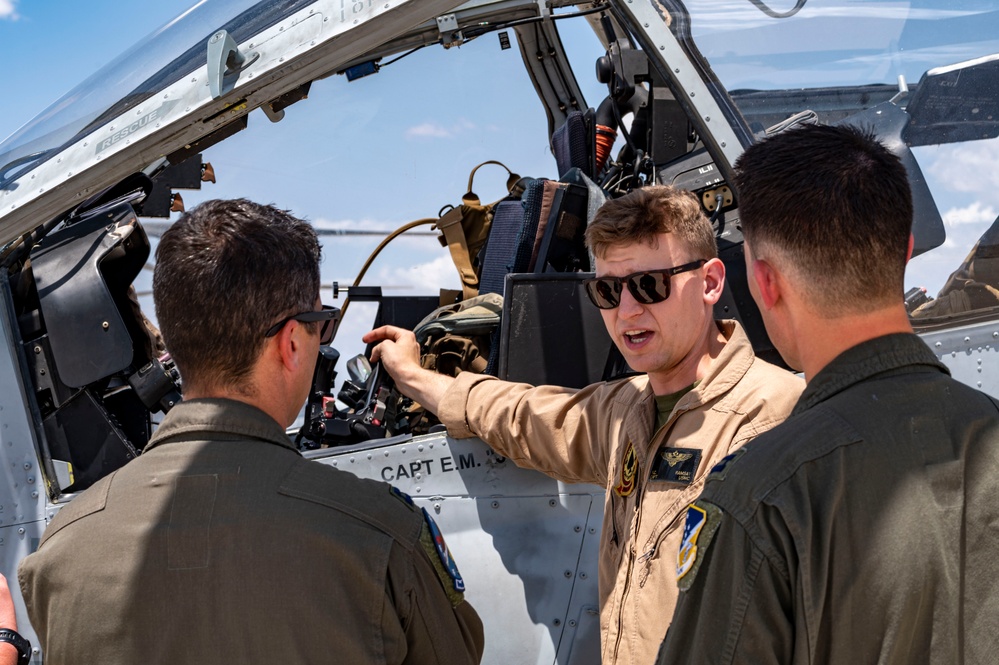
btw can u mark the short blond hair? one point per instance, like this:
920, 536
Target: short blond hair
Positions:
640, 216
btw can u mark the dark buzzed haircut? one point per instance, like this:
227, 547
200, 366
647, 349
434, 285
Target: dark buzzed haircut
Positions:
641, 215
836, 204
226, 272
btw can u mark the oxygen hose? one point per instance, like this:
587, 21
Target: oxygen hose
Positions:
606, 133
367, 264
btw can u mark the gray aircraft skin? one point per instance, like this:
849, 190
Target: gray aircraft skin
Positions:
697, 84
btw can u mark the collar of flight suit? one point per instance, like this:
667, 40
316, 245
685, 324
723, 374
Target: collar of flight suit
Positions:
724, 372
895, 353
216, 418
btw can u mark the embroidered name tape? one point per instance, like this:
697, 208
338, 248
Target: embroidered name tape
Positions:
675, 465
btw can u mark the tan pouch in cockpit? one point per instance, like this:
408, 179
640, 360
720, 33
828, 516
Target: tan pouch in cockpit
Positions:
465, 228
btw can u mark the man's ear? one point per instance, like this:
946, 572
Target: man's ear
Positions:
288, 344
714, 280
908, 252
767, 284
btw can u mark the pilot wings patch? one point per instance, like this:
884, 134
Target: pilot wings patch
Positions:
674, 457
675, 465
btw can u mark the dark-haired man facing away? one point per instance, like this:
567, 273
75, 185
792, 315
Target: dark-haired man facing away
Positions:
220, 543
865, 528
650, 439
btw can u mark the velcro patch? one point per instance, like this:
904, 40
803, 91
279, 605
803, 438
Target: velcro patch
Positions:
720, 470
440, 556
703, 519
675, 465
402, 496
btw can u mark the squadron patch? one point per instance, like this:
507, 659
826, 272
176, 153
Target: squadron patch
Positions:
675, 465
703, 519
629, 471
440, 557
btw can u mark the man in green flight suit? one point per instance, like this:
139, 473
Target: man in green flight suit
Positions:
220, 543
863, 528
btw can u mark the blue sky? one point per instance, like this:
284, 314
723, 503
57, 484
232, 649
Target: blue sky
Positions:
372, 154
398, 146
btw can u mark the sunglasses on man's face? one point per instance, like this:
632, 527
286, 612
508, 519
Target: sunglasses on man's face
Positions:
647, 287
328, 315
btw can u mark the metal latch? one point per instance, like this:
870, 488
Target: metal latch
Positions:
450, 32
224, 59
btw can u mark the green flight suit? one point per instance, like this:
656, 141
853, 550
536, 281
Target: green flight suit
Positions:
221, 544
864, 529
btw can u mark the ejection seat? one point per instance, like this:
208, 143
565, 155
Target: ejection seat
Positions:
86, 341
536, 256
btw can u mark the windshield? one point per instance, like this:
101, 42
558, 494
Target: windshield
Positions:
173, 51
778, 58
838, 42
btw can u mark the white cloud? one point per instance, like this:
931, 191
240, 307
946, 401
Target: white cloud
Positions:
406, 266
8, 11
976, 213
428, 130
964, 227
964, 167
368, 231
423, 278
433, 130
365, 224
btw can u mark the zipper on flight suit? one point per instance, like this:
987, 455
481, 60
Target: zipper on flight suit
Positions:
655, 442
646, 558
631, 551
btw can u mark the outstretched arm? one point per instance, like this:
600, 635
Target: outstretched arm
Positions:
8, 619
547, 428
399, 353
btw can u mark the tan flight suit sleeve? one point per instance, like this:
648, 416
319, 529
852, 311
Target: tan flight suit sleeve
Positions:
434, 628
559, 431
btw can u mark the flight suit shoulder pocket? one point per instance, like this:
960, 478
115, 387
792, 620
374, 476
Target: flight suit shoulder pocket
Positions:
368, 501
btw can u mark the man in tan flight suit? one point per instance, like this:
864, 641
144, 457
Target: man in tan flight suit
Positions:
649, 440
220, 543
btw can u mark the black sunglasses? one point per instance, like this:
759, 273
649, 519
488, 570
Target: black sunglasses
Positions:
648, 287
328, 315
